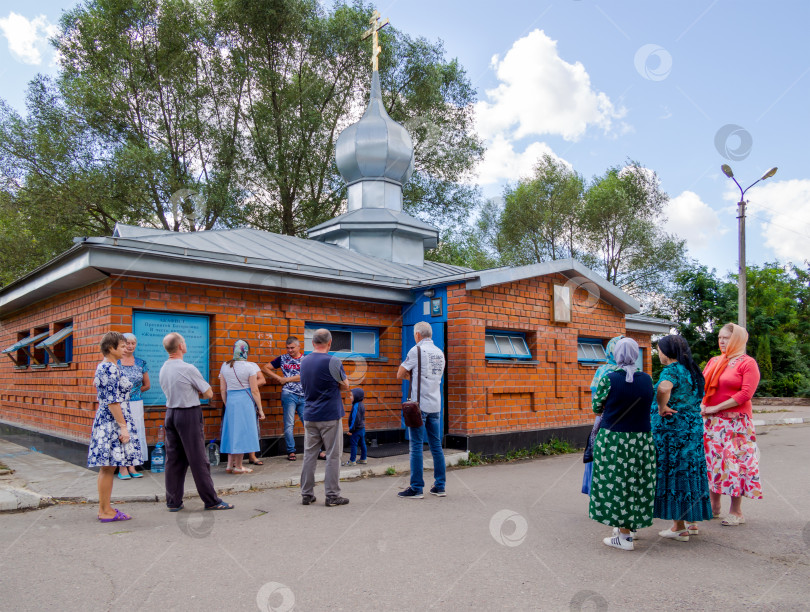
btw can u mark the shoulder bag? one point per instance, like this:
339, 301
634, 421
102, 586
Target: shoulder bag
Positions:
411, 412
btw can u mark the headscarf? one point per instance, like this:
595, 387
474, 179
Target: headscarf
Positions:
734, 348
608, 367
130, 336
626, 353
240, 350
676, 347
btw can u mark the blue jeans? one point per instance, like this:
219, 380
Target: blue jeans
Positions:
358, 437
434, 438
291, 403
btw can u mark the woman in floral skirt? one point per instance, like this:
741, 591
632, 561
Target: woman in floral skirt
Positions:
114, 439
682, 489
623, 486
729, 439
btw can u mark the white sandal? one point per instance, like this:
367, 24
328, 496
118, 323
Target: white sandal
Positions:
732, 520
675, 535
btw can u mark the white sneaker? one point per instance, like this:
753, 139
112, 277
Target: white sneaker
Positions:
675, 535
633, 534
619, 542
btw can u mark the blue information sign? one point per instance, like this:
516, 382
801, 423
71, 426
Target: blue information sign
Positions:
151, 327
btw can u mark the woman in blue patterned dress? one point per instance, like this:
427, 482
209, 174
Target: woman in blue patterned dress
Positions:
682, 484
135, 369
114, 439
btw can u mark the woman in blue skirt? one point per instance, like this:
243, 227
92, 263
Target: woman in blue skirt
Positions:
682, 484
239, 388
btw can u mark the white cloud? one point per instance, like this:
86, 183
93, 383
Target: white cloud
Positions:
501, 161
690, 218
540, 93
784, 208
26, 38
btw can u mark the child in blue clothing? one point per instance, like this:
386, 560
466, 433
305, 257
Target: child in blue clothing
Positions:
357, 427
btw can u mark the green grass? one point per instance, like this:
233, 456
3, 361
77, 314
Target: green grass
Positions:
391, 471
552, 447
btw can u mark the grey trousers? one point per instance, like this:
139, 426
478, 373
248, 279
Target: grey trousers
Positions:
330, 434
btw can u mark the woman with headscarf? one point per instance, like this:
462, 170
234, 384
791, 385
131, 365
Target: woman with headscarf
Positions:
601, 371
623, 486
682, 490
239, 388
135, 369
729, 439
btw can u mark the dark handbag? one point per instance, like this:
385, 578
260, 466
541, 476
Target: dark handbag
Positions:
588, 456
411, 412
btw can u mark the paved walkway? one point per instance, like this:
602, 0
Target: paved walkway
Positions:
40, 480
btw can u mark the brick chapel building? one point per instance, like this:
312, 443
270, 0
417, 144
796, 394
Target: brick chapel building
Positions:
521, 343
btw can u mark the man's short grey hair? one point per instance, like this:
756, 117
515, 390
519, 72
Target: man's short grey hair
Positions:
322, 337
424, 329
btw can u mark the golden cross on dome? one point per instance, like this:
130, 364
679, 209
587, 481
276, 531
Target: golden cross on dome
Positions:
375, 45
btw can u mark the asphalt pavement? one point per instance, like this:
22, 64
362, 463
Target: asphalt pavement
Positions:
508, 536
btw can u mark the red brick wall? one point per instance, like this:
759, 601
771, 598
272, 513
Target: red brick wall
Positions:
486, 397
645, 343
483, 397
64, 401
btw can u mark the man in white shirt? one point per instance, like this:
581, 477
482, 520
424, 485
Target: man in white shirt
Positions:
430, 403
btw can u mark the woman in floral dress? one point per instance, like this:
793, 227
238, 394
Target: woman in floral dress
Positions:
682, 489
623, 486
729, 438
114, 438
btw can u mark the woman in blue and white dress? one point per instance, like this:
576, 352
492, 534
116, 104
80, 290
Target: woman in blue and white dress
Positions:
135, 369
114, 438
239, 388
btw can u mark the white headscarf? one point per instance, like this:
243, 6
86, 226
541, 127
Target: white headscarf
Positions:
626, 355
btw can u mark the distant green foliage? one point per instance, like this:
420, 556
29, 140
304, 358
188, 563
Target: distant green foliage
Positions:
778, 320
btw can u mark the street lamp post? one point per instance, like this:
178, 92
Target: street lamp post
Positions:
742, 289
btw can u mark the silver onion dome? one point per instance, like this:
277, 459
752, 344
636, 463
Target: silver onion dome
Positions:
376, 147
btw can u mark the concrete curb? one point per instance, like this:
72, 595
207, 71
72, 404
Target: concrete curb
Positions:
401, 467
785, 421
13, 499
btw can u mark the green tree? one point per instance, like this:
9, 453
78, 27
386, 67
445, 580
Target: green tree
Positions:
307, 75
542, 214
622, 221
151, 78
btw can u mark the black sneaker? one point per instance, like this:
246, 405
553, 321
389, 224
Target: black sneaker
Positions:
438, 492
308, 499
409, 493
336, 501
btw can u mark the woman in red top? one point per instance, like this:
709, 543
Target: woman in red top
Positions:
729, 438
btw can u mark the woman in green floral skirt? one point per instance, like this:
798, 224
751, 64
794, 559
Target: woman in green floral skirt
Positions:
623, 486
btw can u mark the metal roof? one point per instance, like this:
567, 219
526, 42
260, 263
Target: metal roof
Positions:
285, 251
652, 325
254, 258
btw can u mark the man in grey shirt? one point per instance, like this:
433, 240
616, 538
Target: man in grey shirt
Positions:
184, 386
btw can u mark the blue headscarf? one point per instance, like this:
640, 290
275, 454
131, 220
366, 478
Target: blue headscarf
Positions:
610, 366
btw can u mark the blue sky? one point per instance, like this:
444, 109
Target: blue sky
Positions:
681, 87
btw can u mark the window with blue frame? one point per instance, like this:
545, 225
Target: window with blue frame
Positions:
59, 346
363, 341
590, 350
505, 345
